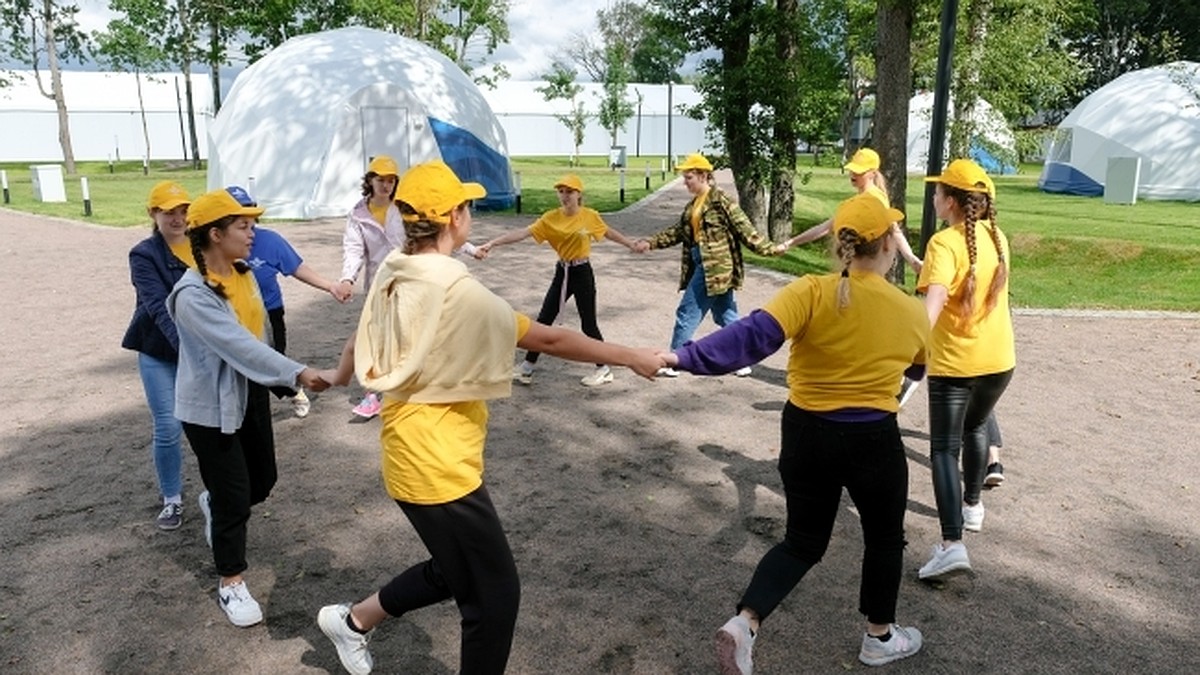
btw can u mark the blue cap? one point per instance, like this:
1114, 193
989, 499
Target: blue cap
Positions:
240, 194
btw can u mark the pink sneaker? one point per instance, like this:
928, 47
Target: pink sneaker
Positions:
369, 406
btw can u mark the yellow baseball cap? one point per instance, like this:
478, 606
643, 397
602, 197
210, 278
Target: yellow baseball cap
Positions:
866, 215
571, 182
433, 191
166, 195
863, 161
965, 175
213, 206
695, 162
382, 165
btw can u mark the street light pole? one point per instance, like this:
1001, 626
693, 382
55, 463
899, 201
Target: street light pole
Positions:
937, 124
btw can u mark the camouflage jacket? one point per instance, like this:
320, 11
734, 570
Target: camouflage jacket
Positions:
724, 227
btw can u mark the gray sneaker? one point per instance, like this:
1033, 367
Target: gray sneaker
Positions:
351, 646
905, 641
171, 517
946, 562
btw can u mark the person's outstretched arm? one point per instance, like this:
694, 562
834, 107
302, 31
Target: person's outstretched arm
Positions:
613, 235
575, 346
313, 278
511, 237
811, 234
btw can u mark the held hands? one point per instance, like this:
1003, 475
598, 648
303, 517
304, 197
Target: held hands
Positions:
481, 252
310, 379
640, 246
339, 293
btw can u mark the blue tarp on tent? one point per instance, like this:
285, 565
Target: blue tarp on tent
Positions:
473, 161
988, 161
1066, 179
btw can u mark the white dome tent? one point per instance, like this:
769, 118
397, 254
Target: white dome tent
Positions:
993, 135
1152, 114
303, 123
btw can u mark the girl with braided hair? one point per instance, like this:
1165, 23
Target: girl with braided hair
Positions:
225, 367
971, 352
853, 335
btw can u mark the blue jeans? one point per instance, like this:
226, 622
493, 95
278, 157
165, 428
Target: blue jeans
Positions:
696, 302
158, 380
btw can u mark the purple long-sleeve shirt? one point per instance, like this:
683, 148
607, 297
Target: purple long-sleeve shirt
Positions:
750, 340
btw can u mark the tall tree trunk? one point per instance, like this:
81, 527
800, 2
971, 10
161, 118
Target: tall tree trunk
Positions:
214, 63
185, 65
56, 88
783, 141
738, 135
893, 59
964, 126
137, 77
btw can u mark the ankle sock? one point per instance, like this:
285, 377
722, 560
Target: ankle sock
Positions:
883, 638
350, 623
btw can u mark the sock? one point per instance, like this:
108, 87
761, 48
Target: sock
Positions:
350, 623
177, 499
883, 638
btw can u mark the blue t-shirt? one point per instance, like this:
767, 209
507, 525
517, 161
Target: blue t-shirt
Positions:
271, 255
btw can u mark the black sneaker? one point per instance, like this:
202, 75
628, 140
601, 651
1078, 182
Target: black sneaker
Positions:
994, 477
171, 517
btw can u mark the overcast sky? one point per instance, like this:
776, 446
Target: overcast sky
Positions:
539, 29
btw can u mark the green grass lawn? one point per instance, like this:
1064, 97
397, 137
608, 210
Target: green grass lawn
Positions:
1068, 252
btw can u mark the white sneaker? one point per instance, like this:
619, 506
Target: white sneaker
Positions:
742, 372
905, 641
300, 404
972, 517
523, 373
207, 511
734, 641
241, 608
602, 375
946, 562
351, 646
667, 372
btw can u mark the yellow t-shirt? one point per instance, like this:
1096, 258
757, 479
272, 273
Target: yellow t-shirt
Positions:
242, 292
432, 453
852, 357
570, 236
986, 344
183, 251
379, 213
697, 214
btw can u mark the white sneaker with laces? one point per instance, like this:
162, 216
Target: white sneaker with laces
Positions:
207, 511
972, 517
602, 375
241, 607
523, 373
905, 641
946, 561
351, 646
742, 372
300, 404
734, 642
667, 372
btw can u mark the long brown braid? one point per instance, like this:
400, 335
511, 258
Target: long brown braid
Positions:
198, 237
977, 206
851, 245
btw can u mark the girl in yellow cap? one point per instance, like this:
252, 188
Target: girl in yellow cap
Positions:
971, 352
438, 344
867, 179
155, 264
712, 230
569, 230
853, 335
373, 229
225, 367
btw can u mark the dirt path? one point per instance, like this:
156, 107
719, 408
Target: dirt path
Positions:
636, 511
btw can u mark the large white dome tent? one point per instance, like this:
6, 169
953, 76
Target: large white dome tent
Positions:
994, 146
1152, 114
303, 123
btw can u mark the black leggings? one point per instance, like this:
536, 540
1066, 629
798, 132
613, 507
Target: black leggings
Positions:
470, 561
238, 471
581, 283
959, 408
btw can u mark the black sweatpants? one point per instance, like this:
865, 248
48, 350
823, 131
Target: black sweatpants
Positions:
238, 471
580, 283
470, 562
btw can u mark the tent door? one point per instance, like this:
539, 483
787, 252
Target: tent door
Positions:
384, 132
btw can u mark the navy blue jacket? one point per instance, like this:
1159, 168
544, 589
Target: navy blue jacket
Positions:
154, 271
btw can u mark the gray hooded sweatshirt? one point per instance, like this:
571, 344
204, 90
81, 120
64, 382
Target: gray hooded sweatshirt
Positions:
217, 356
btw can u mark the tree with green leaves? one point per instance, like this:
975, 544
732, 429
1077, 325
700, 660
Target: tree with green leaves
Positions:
615, 107
124, 46
37, 29
627, 28
561, 85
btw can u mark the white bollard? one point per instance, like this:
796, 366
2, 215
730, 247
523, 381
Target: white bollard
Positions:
87, 196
